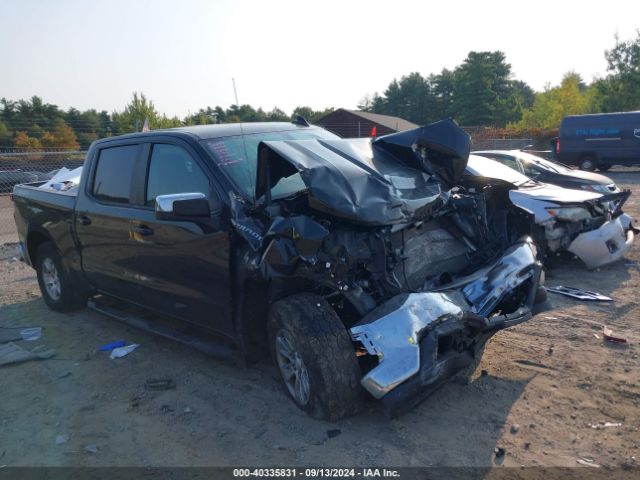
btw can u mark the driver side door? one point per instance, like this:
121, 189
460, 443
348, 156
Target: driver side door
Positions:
183, 265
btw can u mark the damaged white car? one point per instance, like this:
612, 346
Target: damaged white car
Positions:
590, 225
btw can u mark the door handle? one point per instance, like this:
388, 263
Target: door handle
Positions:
84, 220
143, 230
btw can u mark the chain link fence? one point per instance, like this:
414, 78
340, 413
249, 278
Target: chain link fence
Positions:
19, 165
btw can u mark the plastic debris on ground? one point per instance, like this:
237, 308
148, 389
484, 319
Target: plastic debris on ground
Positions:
159, 384
603, 425
91, 448
64, 180
587, 462
12, 353
579, 294
9, 335
110, 346
31, 334
122, 351
610, 337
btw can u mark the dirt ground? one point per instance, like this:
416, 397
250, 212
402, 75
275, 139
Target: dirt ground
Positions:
553, 393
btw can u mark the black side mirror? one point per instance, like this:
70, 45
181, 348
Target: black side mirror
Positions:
182, 206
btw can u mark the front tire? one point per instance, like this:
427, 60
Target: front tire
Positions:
588, 164
53, 279
314, 355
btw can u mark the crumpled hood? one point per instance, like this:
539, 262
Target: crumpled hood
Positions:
394, 179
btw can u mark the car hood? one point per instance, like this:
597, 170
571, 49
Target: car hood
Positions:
587, 178
552, 193
394, 179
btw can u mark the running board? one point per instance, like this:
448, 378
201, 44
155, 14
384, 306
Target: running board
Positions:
213, 348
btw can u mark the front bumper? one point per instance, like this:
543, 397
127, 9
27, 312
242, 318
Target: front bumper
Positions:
422, 339
606, 244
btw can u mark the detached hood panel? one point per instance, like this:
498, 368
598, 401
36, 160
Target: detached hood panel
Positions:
395, 179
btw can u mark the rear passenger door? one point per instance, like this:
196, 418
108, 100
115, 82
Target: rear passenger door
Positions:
104, 214
183, 266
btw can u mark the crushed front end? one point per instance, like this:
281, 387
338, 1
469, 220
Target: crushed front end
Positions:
421, 265
423, 339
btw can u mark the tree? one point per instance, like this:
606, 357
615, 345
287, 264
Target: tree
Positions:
23, 140
620, 90
571, 97
5, 135
62, 136
482, 93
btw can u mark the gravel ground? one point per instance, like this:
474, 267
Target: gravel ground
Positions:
550, 392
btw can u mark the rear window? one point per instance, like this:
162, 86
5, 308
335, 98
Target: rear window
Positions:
114, 172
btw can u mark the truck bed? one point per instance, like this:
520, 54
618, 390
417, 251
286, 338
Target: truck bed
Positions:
43, 210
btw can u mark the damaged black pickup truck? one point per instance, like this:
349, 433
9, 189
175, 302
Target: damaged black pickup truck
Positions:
363, 266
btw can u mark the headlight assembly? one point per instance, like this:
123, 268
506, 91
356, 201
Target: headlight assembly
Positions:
569, 214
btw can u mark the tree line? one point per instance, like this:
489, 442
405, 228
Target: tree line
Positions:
481, 91
33, 124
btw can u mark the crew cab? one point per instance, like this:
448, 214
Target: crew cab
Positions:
363, 266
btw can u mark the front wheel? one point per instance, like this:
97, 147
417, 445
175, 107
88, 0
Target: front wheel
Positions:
53, 279
588, 164
315, 357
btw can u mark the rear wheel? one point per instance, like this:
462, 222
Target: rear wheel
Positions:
53, 279
315, 357
588, 163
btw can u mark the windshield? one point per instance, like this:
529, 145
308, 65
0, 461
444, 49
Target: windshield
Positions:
484, 167
237, 157
528, 158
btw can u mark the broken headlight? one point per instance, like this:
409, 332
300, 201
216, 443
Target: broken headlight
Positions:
569, 214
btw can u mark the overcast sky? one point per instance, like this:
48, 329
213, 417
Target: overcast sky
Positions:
183, 54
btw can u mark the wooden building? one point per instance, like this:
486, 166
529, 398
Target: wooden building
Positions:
355, 124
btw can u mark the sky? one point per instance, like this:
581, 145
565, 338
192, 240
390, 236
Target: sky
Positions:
184, 54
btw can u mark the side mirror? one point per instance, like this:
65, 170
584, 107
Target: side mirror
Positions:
182, 206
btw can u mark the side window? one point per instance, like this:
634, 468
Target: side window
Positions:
173, 170
114, 172
508, 161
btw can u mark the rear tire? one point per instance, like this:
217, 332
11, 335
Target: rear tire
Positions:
314, 355
588, 164
55, 284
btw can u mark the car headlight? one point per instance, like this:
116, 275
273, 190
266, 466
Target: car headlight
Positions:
569, 214
599, 188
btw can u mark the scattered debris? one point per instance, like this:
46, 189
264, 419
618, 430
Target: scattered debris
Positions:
587, 462
610, 337
527, 445
64, 375
551, 318
31, 334
603, 425
333, 433
60, 439
484, 373
515, 428
9, 335
12, 353
122, 351
159, 384
91, 448
579, 294
167, 409
187, 410
110, 346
